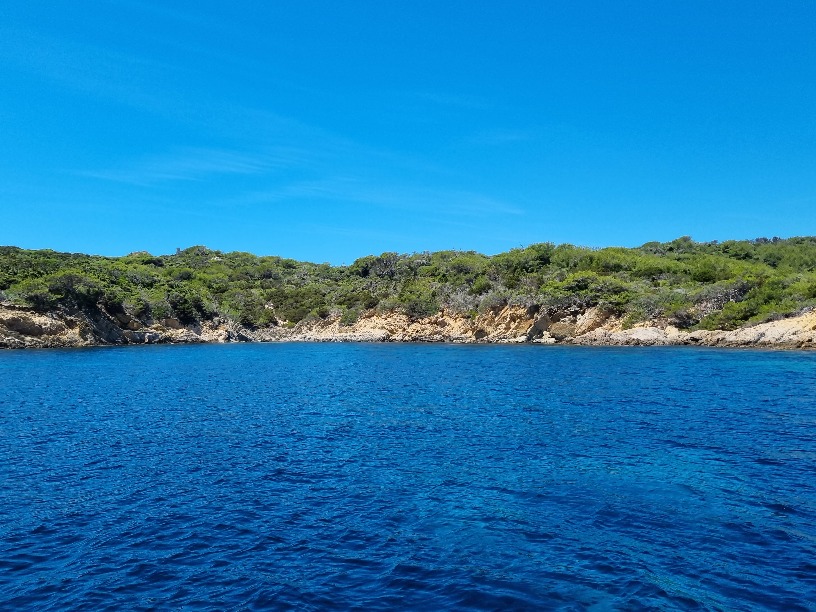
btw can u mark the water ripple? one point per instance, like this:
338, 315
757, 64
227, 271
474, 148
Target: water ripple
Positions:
399, 476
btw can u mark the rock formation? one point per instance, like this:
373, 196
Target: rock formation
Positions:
25, 328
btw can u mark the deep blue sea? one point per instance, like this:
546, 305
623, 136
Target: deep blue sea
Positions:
388, 476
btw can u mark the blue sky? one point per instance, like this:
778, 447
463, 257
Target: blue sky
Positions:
326, 131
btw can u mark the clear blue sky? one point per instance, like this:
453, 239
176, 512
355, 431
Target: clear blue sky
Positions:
326, 131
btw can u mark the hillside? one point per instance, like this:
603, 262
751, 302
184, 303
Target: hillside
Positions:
684, 289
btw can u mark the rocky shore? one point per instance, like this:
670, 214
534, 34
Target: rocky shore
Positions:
25, 328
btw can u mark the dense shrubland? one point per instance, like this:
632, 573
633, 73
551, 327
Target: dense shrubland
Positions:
713, 285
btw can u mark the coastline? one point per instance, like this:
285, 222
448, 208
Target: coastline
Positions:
22, 327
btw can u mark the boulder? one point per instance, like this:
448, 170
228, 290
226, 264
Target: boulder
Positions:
590, 320
23, 325
562, 331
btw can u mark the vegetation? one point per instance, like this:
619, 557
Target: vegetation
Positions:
712, 285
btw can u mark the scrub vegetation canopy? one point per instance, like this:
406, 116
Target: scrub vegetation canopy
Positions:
711, 285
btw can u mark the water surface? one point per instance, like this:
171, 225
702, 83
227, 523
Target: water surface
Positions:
368, 476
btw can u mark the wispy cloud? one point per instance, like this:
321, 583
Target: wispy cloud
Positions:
286, 159
105, 73
262, 142
191, 164
140, 81
389, 194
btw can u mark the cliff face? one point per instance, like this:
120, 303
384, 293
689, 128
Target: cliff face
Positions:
25, 328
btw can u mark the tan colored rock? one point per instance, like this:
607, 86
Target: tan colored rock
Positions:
22, 327
590, 320
562, 331
645, 336
31, 324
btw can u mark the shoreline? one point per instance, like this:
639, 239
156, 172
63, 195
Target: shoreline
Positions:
22, 328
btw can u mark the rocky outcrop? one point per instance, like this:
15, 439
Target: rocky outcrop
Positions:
505, 325
796, 332
593, 327
25, 328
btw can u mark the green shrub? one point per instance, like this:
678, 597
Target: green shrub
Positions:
480, 285
188, 307
35, 293
349, 317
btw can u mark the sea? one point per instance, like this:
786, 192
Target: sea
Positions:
299, 476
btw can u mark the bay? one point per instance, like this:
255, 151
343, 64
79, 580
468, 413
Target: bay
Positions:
382, 476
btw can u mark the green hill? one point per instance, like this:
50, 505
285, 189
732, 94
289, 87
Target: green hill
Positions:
713, 285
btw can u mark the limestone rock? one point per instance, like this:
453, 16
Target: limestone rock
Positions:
561, 330
590, 320
22, 327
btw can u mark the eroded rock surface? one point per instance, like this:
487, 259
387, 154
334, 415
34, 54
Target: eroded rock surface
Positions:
26, 328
